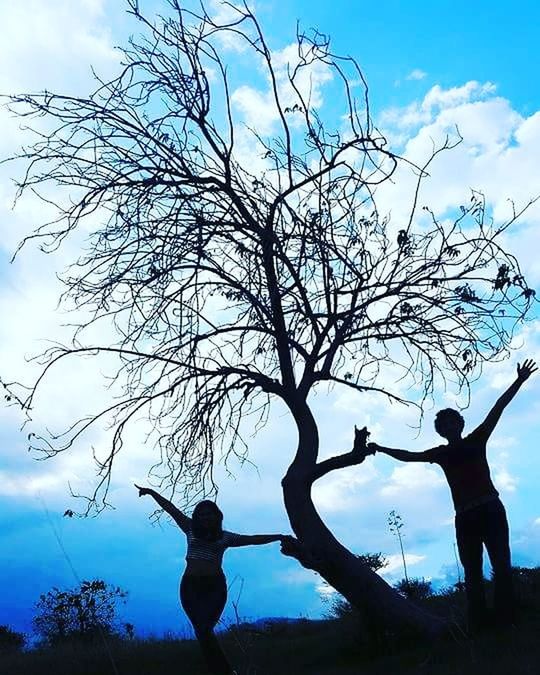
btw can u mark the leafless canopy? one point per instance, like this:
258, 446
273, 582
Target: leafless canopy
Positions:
242, 262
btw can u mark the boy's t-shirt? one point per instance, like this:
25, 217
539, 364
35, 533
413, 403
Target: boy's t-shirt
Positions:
466, 469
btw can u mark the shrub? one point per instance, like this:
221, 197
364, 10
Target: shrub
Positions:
416, 590
10, 640
78, 614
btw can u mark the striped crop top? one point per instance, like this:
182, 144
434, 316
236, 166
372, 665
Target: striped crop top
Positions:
201, 549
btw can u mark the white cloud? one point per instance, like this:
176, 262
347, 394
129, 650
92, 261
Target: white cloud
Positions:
342, 490
525, 543
259, 109
225, 13
296, 576
416, 74
21, 485
25, 477
441, 98
503, 443
60, 42
504, 477
498, 156
325, 591
412, 478
435, 101
56, 33
504, 480
395, 563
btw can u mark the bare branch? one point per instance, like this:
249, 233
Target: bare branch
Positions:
230, 277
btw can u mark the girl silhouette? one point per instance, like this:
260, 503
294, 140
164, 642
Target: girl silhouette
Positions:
203, 588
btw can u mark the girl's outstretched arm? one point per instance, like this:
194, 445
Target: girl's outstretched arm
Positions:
183, 522
256, 539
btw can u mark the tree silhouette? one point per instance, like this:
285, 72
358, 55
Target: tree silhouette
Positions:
240, 265
10, 641
82, 613
339, 607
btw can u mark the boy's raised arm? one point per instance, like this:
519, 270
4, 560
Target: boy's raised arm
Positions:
524, 371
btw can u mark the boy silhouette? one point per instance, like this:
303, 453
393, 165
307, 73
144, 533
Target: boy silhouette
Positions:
480, 515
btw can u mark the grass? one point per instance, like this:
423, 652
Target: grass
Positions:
317, 648
328, 647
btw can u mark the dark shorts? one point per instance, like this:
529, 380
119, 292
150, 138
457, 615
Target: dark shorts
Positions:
203, 599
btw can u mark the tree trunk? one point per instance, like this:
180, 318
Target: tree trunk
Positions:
362, 587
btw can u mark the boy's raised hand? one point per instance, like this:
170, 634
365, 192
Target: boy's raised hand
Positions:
526, 369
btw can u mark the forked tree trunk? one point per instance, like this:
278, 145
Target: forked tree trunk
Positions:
362, 587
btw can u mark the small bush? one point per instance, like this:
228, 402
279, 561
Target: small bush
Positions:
79, 614
10, 640
416, 590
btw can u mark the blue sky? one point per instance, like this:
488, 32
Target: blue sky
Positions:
429, 66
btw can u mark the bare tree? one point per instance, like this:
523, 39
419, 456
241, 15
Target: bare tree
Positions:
240, 265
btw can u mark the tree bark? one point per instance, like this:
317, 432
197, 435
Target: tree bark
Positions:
322, 552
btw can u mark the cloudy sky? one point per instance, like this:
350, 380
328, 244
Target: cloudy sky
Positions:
429, 69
